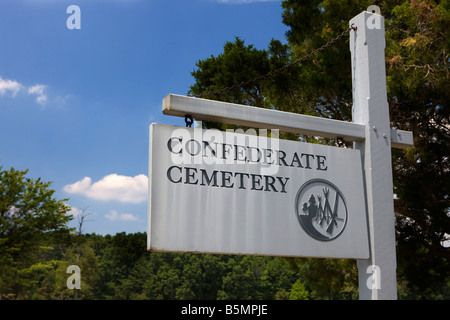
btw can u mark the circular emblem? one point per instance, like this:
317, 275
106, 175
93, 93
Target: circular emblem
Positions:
321, 209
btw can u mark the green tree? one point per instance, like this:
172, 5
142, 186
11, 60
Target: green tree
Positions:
418, 81
298, 291
201, 276
164, 279
118, 259
84, 257
132, 287
246, 279
238, 63
30, 220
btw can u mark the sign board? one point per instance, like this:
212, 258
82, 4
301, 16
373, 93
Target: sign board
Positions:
234, 193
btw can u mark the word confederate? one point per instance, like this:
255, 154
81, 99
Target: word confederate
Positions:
243, 154
193, 151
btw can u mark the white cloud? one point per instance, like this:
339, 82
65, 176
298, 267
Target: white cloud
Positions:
114, 215
79, 187
13, 87
38, 90
112, 187
10, 86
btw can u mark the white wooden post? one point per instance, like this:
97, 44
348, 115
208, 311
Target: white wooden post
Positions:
377, 275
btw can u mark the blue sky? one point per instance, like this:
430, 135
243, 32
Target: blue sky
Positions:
76, 105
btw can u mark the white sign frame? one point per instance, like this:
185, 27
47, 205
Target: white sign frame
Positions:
257, 201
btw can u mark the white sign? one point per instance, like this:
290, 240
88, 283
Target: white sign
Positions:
217, 192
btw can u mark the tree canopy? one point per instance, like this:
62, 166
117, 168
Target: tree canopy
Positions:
30, 220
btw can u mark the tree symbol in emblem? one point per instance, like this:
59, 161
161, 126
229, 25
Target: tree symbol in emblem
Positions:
319, 219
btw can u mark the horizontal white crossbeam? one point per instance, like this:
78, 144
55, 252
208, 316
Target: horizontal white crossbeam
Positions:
401, 139
224, 112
